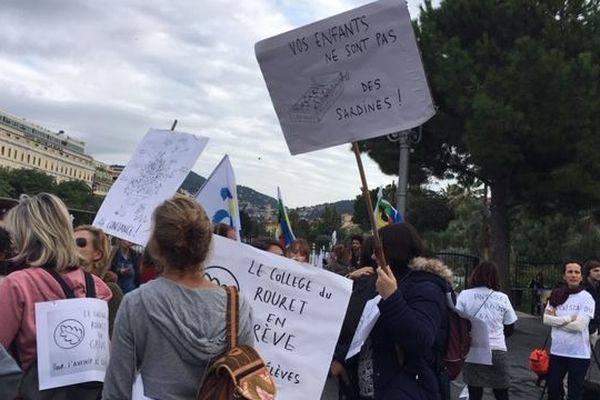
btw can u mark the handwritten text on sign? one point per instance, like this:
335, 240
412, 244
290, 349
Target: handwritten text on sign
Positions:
157, 168
72, 341
353, 76
298, 312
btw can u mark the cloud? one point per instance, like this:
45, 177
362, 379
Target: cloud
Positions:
107, 71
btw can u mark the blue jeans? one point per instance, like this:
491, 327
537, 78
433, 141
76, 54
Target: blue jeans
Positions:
559, 367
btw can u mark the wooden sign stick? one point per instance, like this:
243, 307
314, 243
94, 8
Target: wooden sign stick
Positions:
365, 190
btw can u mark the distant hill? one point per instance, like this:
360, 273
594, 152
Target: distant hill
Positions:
192, 183
258, 204
313, 212
254, 203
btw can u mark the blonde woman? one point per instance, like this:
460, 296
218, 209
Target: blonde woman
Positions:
94, 248
43, 236
172, 327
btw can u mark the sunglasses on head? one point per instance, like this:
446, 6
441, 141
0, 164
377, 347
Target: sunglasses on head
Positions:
81, 242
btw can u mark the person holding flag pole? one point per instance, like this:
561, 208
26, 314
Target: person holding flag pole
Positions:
317, 108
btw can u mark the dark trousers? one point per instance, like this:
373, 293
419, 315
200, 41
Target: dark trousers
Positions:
559, 367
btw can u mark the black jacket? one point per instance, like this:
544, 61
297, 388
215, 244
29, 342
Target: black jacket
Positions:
594, 290
413, 326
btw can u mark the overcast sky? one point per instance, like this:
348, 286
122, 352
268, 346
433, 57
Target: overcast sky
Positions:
107, 71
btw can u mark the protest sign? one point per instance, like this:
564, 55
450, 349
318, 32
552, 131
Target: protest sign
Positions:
72, 341
298, 312
354, 76
480, 351
367, 322
154, 173
219, 198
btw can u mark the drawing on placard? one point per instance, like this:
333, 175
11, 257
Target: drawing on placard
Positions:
147, 181
324, 90
69, 334
221, 276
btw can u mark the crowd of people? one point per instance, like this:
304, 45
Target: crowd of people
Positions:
167, 321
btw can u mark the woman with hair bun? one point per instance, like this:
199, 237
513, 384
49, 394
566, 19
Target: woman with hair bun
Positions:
173, 327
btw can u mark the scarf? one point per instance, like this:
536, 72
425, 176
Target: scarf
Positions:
562, 293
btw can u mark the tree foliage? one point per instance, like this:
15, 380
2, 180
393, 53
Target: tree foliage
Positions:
75, 194
517, 86
427, 210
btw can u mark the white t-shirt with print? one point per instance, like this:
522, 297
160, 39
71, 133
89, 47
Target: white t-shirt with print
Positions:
573, 344
496, 312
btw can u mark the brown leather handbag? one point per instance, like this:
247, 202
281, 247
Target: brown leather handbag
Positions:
239, 373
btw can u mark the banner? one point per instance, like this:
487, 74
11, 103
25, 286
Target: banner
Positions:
298, 312
155, 171
72, 341
219, 198
354, 76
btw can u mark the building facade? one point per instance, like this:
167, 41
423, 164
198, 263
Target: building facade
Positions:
27, 145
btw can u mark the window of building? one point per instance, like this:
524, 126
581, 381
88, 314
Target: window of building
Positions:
28, 158
9, 152
46, 164
22, 156
15, 155
2, 150
39, 162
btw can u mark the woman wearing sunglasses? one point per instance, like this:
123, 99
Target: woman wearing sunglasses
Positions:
94, 247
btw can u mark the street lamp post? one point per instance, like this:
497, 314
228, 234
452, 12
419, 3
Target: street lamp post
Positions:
405, 139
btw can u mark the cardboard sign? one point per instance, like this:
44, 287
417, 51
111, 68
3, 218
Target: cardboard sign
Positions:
157, 168
354, 76
298, 312
72, 341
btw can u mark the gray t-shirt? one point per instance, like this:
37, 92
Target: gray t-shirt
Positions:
170, 334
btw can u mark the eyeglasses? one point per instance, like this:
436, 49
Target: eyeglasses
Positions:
81, 242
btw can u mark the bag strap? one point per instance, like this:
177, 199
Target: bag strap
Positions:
232, 317
90, 286
546, 340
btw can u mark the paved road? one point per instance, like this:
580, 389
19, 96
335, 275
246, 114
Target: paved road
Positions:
529, 333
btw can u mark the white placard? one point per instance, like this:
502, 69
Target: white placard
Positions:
72, 341
298, 312
157, 168
480, 351
354, 76
369, 317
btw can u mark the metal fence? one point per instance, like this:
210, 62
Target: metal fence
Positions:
525, 298
460, 264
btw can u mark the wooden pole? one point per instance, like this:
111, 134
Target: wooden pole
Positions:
174, 125
365, 189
